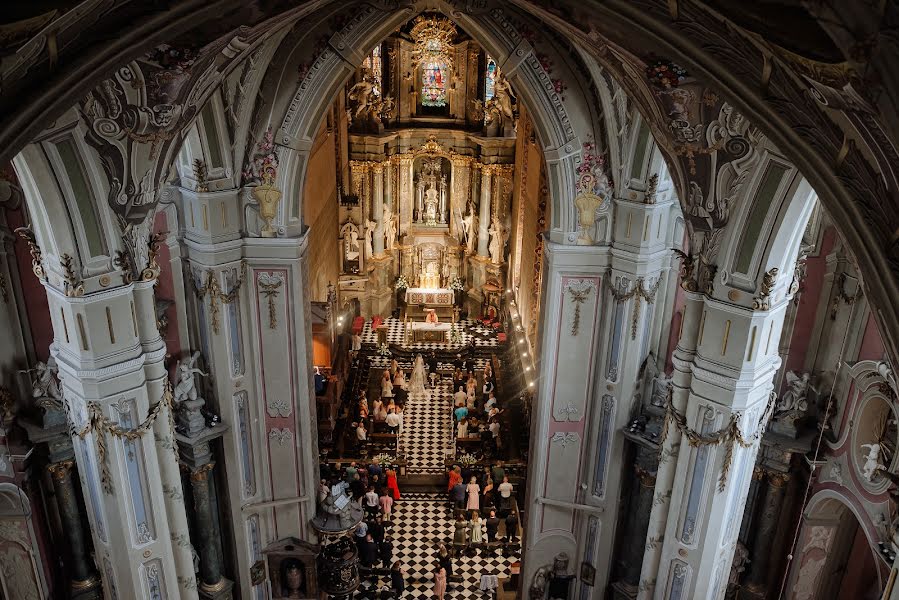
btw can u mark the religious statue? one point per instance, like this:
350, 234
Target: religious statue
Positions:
586, 204
431, 202
470, 227
389, 226
186, 388
369, 237
496, 241
741, 559
363, 94
872, 461
351, 242
502, 100
44, 383
793, 404
293, 581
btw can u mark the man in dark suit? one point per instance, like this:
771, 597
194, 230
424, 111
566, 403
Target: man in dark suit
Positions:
368, 552
492, 526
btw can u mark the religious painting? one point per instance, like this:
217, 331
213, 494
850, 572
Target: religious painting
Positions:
433, 83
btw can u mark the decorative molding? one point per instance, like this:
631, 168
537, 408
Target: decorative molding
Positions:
278, 407
763, 300
567, 413
269, 284
579, 290
280, 435
37, 266
564, 438
72, 286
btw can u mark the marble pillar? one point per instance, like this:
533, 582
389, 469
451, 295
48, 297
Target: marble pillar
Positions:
732, 374
377, 212
756, 584
110, 357
632, 546
84, 581
484, 216
212, 583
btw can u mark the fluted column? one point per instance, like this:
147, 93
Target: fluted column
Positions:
765, 532
484, 217
83, 577
377, 212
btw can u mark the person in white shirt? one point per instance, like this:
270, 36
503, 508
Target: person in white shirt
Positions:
462, 429
505, 492
372, 504
460, 397
361, 434
393, 420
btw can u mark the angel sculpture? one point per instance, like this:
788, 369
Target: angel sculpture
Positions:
45, 384
364, 94
186, 389
872, 461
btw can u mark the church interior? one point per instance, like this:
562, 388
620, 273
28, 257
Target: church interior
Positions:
384, 299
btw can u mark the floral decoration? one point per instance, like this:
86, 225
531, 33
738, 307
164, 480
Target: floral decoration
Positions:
457, 285
401, 283
592, 177
665, 74
466, 460
384, 350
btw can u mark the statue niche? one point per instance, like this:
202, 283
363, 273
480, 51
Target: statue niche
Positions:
431, 191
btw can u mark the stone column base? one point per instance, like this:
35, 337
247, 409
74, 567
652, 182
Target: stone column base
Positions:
89, 589
624, 591
219, 591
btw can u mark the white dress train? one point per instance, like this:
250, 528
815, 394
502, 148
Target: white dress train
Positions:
417, 383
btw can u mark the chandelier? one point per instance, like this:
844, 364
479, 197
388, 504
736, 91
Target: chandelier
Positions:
433, 40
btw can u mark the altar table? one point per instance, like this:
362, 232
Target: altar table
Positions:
430, 332
430, 296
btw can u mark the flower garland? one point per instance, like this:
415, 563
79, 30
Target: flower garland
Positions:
100, 425
401, 283
730, 434
457, 285
211, 286
640, 292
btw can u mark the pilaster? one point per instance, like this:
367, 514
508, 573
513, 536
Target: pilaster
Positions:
377, 211
110, 359
484, 215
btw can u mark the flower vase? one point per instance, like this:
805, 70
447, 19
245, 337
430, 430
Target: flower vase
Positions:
268, 197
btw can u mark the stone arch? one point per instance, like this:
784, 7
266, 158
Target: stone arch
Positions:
555, 121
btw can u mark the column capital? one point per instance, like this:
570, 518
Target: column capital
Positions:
60, 470
201, 473
377, 168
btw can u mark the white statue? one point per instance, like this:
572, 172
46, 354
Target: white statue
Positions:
369, 237
351, 243
502, 96
44, 383
470, 227
186, 389
496, 242
872, 461
795, 399
431, 202
389, 226
363, 94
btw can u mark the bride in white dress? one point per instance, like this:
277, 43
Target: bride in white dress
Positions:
417, 383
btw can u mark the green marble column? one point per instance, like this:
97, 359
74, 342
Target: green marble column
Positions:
84, 582
211, 581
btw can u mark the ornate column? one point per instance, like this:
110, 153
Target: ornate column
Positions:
212, 584
639, 508
756, 585
377, 212
110, 359
461, 175
405, 193
484, 217
728, 401
84, 583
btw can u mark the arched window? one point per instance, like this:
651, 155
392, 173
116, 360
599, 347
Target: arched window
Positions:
489, 78
372, 62
433, 83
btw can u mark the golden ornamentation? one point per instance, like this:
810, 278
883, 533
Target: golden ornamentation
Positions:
100, 425
27, 234
640, 293
842, 296
269, 284
72, 286
586, 204
433, 38
268, 197
651, 187
579, 290
60, 470
212, 288
763, 300
729, 435
201, 473
200, 175
688, 266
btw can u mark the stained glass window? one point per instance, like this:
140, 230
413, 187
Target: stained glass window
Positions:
433, 83
372, 62
489, 78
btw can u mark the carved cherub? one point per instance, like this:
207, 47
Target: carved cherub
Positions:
186, 389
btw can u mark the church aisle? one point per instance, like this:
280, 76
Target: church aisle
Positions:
428, 430
423, 521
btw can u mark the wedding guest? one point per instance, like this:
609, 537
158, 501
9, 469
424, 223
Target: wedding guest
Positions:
371, 502
512, 527
476, 536
394, 367
385, 552
397, 579
386, 384
361, 433
455, 476
457, 494
505, 494
391, 483
487, 492
460, 412
376, 529
439, 582
462, 429
363, 408
368, 552
393, 420
492, 523
473, 490
445, 558
460, 532
378, 410
385, 500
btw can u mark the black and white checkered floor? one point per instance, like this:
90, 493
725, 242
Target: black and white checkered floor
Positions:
427, 421
484, 337
421, 522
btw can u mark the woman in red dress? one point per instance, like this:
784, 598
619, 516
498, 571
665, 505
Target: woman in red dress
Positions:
391, 483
